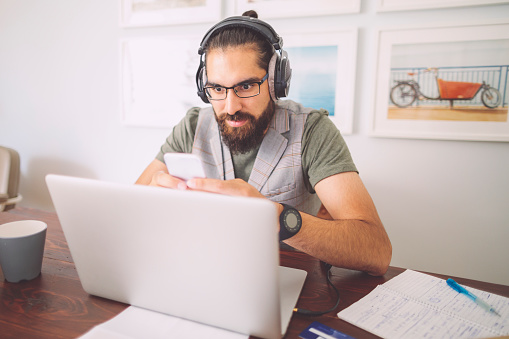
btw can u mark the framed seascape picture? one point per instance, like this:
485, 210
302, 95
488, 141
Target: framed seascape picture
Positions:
158, 80
290, 8
402, 5
323, 72
443, 83
168, 12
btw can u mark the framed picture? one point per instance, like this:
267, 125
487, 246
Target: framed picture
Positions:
443, 83
168, 12
291, 8
402, 5
323, 72
158, 80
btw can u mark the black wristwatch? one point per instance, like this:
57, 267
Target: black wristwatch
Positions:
290, 222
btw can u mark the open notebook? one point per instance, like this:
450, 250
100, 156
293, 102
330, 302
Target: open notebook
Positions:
418, 305
209, 258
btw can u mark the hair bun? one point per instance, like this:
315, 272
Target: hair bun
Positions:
251, 14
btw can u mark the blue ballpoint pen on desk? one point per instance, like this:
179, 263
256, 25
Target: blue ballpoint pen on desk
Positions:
460, 289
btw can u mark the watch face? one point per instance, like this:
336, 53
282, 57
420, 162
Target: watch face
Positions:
292, 221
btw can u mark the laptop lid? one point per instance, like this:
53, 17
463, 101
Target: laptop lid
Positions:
206, 257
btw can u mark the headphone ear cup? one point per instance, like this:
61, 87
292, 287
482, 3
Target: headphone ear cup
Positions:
273, 75
280, 75
201, 80
284, 75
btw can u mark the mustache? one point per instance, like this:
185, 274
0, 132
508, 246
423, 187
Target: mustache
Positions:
236, 117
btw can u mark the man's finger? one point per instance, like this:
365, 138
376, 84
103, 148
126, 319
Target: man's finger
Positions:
237, 187
163, 179
209, 185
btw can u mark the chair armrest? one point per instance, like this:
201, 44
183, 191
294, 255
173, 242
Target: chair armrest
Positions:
6, 201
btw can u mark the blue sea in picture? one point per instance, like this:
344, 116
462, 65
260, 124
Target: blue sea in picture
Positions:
314, 72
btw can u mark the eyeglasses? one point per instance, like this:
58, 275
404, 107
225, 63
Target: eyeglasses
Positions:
243, 90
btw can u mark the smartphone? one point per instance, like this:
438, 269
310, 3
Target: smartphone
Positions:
184, 165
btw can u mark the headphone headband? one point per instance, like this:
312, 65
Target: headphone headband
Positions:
279, 66
248, 22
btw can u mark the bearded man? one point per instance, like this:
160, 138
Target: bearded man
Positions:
253, 144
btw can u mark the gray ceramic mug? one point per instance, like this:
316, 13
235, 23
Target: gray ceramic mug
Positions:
22, 249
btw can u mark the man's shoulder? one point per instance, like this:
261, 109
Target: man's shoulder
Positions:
298, 108
194, 112
190, 120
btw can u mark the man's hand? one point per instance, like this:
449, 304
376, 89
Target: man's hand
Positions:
163, 179
156, 174
236, 187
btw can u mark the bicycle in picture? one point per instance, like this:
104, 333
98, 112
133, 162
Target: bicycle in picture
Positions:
406, 92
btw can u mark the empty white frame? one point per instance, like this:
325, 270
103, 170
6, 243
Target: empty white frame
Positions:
293, 8
402, 5
135, 13
158, 80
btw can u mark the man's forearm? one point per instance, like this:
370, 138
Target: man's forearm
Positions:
352, 244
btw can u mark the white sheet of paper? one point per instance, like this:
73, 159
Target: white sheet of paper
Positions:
139, 323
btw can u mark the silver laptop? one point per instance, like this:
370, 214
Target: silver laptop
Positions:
205, 257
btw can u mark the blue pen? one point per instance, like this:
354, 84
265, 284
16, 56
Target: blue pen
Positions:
460, 289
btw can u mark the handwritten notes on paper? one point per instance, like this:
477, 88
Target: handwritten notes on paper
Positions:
417, 305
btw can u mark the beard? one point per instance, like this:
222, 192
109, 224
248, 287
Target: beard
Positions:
242, 139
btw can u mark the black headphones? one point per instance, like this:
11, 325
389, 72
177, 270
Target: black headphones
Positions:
279, 70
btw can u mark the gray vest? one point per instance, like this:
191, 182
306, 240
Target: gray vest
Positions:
277, 171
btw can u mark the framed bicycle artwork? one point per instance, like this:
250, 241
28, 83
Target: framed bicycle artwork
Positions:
446, 82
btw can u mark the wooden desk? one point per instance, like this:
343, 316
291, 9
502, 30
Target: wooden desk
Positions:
54, 305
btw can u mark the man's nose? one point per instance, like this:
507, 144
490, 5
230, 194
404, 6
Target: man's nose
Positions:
232, 102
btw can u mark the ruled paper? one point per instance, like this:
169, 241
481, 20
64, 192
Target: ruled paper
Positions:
417, 305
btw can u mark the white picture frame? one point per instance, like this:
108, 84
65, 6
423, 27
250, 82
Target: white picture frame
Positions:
157, 80
267, 9
140, 13
336, 61
436, 47
403, 5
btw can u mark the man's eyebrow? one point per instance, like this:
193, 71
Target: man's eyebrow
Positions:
246, 81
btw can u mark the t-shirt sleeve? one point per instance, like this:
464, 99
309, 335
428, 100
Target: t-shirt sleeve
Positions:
324, 151
182, 137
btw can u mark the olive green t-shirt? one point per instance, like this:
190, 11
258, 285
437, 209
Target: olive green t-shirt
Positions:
324, 151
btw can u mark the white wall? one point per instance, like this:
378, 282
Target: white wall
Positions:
445, 204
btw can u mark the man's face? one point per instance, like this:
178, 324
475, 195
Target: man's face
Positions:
243, 121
